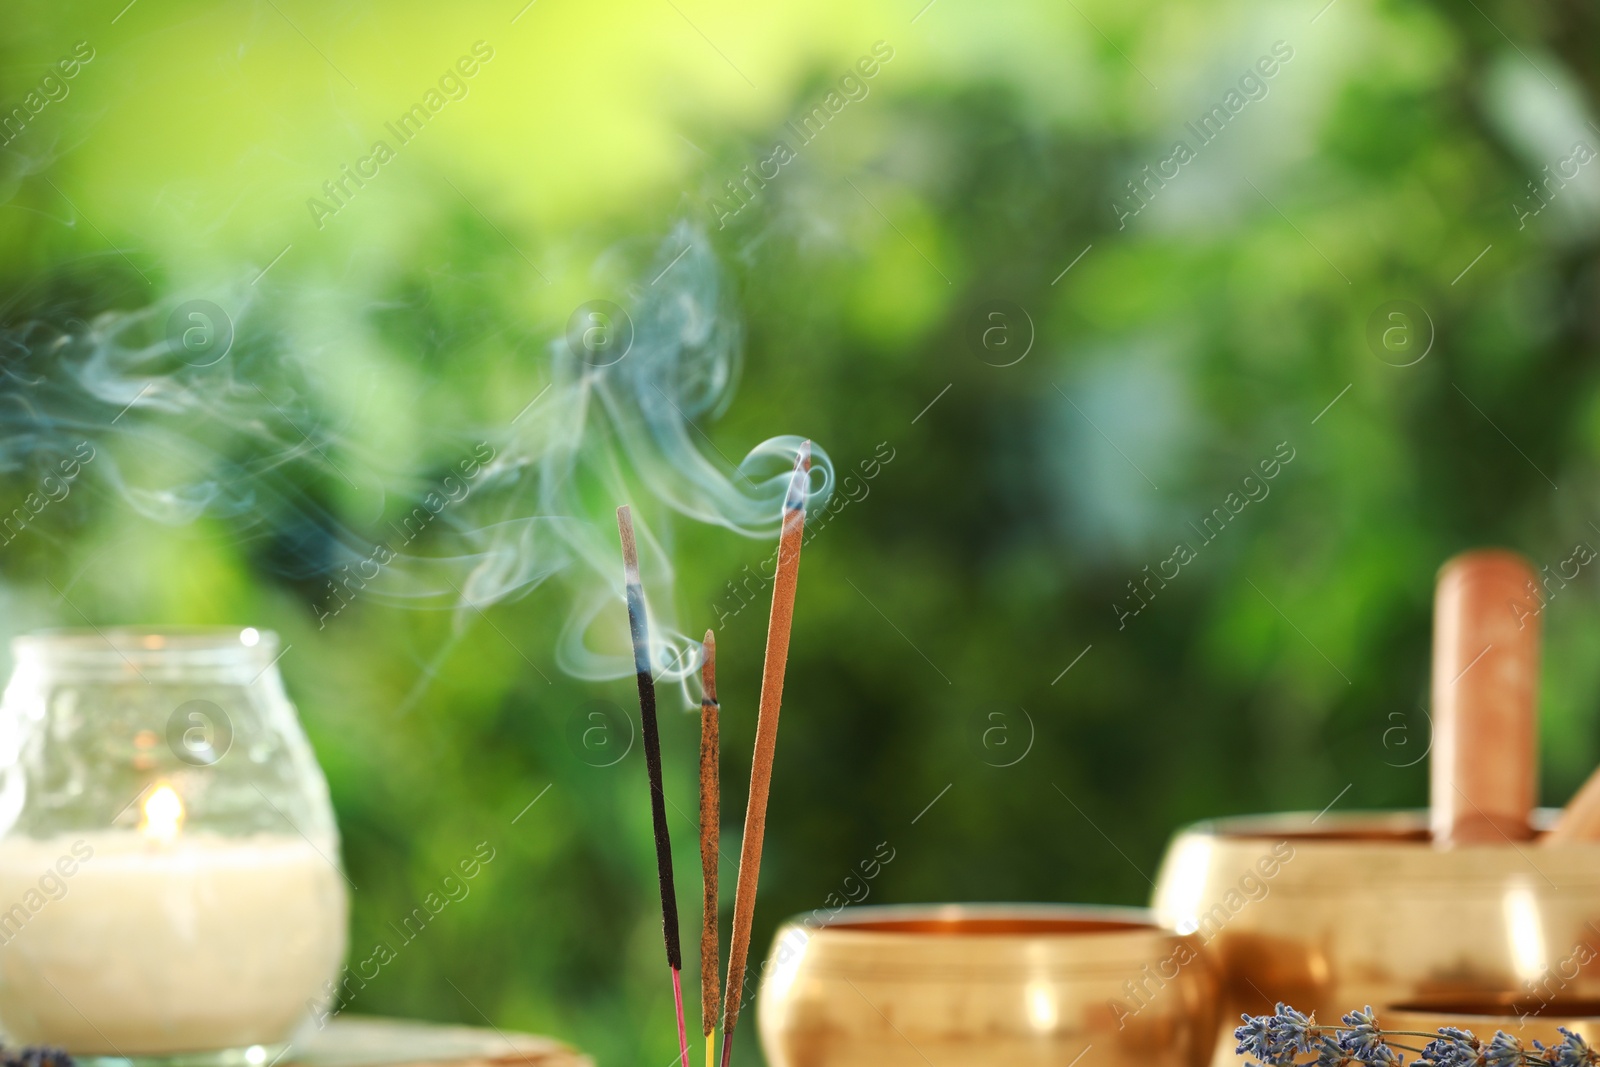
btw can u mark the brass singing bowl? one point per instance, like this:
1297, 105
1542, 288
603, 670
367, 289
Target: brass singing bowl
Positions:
1334, 912
987, 986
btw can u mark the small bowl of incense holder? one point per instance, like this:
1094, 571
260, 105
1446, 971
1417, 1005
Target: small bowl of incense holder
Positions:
987, 986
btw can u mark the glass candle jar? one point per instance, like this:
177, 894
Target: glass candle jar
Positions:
170, 886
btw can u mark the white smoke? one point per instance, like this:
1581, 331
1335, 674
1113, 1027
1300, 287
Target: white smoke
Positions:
235, 434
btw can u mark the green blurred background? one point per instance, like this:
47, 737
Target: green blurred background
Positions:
1243, 312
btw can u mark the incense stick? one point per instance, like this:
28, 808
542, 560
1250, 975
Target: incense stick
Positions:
772, 667
639, 628
710, 825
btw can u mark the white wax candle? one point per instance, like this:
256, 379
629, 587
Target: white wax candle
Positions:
115, 943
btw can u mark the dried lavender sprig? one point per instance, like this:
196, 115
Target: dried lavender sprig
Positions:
35, 1056
1276, 1040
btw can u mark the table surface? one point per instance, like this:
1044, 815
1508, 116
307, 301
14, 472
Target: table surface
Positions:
357, 1041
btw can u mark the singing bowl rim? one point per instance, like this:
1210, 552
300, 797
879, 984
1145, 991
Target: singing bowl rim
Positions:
1057, 922
1371, 855
1463, 1006
1097, 940
1378, 828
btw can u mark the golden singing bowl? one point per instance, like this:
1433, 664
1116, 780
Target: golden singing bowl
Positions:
1338, 911
987, 985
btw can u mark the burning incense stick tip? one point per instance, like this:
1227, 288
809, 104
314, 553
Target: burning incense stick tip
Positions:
799, 481
638, 625
630, 550
708, 669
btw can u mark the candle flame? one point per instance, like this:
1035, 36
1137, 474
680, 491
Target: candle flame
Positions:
163, 814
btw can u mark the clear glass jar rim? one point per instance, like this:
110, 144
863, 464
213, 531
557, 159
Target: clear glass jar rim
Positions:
193, 644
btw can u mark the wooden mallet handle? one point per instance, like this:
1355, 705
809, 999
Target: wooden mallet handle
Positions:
1485, 696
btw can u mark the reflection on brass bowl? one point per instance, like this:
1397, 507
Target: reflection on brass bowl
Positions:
1334, 912
987, 986
1523, 1017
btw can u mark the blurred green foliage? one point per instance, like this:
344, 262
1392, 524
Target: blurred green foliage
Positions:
1389, 160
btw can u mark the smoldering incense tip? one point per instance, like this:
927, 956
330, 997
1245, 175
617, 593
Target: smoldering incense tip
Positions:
638, 621
795, 499
630, 554
708, 669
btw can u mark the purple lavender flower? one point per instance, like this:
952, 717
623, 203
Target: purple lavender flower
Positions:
38, 1056
1363, 1040
1453, 1048
1503, 1051
1275, 1039
1383, 1056
1289, 1032
1573, 1051
1253, 1036
1331, 1054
